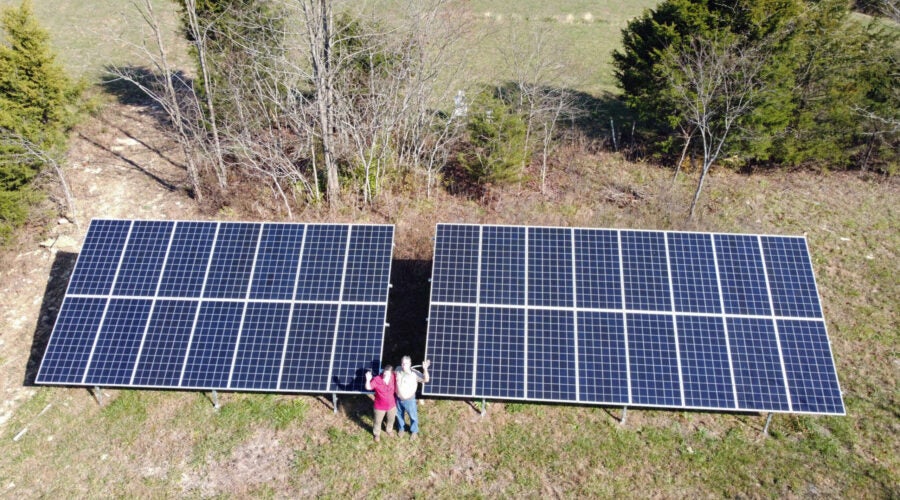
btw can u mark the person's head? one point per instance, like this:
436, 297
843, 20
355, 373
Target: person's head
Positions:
386, 371
406, 363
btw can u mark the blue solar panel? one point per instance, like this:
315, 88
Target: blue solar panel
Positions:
654, 365
188, 259
644, 270
598, 275
277, 261
309, 347
259, 353
231, 305
550, 267
143, 259
453, 350
551, 355
645, 318
758, 378
455, 277
742, 274
791, 277
73, 336
809, 367
705, 369
165, 344
103, 250
501, 353
503, 265
603, 370
357, 346
211, 353
118, 342
694, 283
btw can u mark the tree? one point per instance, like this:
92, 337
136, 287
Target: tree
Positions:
715, 84
38, 106
494, 150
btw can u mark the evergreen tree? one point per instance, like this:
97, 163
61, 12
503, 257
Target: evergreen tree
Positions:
37, 107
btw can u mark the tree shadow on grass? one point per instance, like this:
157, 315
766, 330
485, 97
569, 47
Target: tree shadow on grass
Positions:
60, 273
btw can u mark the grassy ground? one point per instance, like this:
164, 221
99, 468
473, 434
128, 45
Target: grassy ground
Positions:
60, 442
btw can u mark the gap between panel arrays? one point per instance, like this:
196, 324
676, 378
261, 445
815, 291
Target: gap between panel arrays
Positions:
273, 307
629, 318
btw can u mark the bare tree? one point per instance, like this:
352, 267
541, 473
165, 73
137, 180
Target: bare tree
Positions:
199, 35
170, 90
715, 83
22, 150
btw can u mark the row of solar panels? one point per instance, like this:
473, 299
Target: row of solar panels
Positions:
624, 317
645, 318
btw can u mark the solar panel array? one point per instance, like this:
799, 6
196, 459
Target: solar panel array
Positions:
272, 307
629, 318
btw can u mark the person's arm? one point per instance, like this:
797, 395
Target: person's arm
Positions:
369, 381
425, 377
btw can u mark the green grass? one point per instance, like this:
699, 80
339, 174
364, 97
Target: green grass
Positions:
91, 34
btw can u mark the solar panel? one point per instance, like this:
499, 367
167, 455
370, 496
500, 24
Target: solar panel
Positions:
273, 307
624, 317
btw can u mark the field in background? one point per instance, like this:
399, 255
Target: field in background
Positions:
91, 34
59, 442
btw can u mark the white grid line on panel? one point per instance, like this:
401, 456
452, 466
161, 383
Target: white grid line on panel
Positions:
724, 322
477, 313
525, 320
674, 318
112, 286
337, 319
265, 301
624, 315
787, 387
287, 333
575, 318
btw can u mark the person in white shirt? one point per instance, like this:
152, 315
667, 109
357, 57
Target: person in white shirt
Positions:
407, 382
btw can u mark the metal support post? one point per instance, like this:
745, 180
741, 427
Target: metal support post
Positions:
215, 398
624, 415
768, 421
483, 407
334, 401
98, 394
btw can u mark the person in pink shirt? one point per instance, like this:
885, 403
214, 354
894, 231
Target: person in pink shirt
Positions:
384, 386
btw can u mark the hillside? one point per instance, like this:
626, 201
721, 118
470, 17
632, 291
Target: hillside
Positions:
160, 443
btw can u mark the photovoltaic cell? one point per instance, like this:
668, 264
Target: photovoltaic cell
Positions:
624, 317
230, 305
